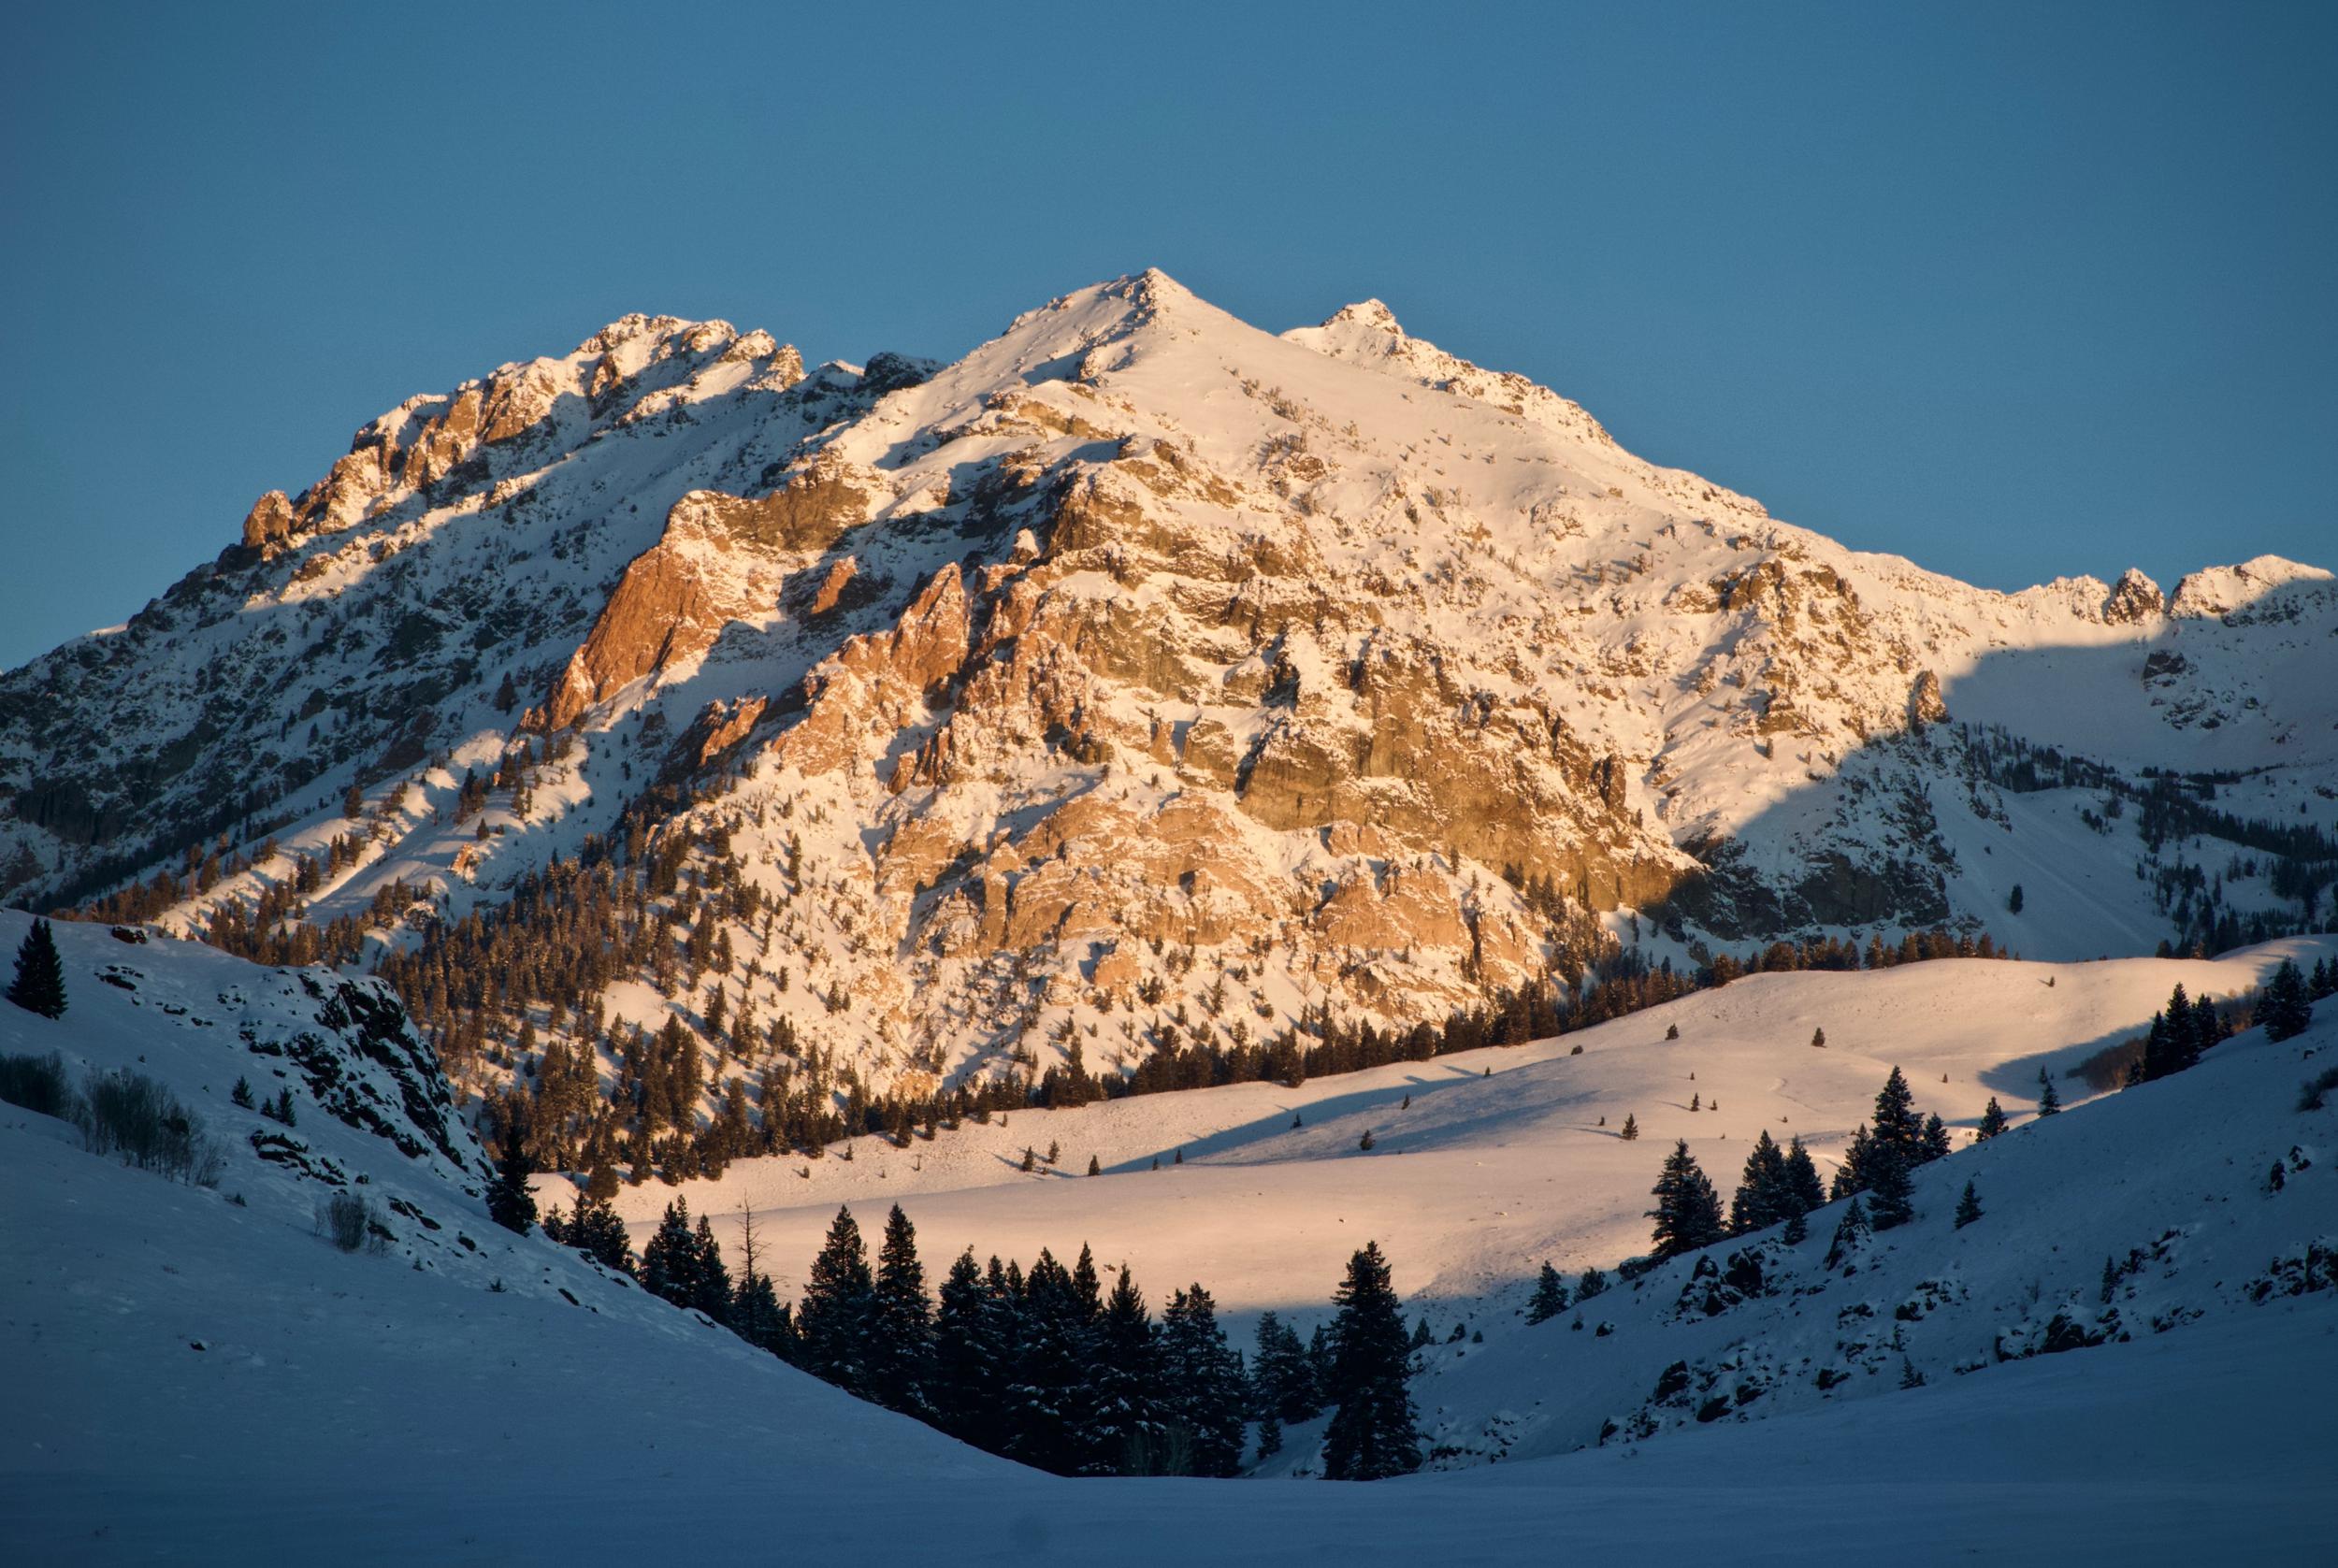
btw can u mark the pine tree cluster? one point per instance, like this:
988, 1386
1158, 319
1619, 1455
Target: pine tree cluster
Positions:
1882, 1157
1047, 1367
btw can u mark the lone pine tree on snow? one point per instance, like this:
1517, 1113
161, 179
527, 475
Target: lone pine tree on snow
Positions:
509, 1201
1968, 1207
40, 983
1550, 1298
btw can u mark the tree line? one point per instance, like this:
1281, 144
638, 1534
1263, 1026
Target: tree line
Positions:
1047, 1366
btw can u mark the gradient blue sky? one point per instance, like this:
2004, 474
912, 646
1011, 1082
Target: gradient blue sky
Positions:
2015, 290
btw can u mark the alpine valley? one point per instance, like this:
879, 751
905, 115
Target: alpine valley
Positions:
1321, 789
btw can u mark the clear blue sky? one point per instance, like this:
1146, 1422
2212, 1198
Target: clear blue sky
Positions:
2015, 290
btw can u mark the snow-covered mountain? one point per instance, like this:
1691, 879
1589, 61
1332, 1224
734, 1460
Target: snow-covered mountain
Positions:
1143, 664
204, 1367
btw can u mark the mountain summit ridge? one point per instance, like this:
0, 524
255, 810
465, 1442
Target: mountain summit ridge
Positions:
1143, 659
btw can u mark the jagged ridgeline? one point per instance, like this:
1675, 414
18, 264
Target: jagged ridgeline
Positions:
1142, 698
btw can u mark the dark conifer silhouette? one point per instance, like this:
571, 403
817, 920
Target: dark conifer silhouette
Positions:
2285, 1009
40, 983
1968, 1207
1688, 1211
835, 1320
1550, 1297
1372, 1431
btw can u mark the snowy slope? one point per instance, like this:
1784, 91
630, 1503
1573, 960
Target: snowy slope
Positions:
1482, 1178
198, 1380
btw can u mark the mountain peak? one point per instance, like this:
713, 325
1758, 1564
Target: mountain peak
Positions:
1370, 315
2222, 590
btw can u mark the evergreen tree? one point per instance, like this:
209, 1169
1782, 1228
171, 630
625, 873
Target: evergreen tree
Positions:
1889, 1186
1201, 1384
1688, 1211
1124, 1431
1095, 1167
901, 1341
1042, 1405
1896, 1124
1851, 1174
1372, 1432
1761, 1200
1968, 1207
1087, 1288
1803, 1191
1992, 1121
1849, 1230
594, 1230
2285, 1009
1630, 1133
1818, 1038
1280, 1373
511, 1203
1936, 1143
836, 1319
241, 1093
1591, 1283
969, 1350
40, 983
1550, 1297
2158, 1052
670, 1262
2049, 1102
2013, 904
710, 1282
2191, 1029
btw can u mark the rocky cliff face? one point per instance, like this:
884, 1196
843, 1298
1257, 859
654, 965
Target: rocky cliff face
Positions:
1139, 660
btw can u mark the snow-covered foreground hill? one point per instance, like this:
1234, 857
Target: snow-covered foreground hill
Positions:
195, 1379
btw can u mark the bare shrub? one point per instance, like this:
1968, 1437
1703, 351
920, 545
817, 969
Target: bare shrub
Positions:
2315, 1092
350, 1222
2108, 1068
37, 1083
131, 1115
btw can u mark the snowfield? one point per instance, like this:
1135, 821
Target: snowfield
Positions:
195, 1380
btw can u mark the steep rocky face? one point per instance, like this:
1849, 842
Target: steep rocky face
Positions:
369, 623
1138, 661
